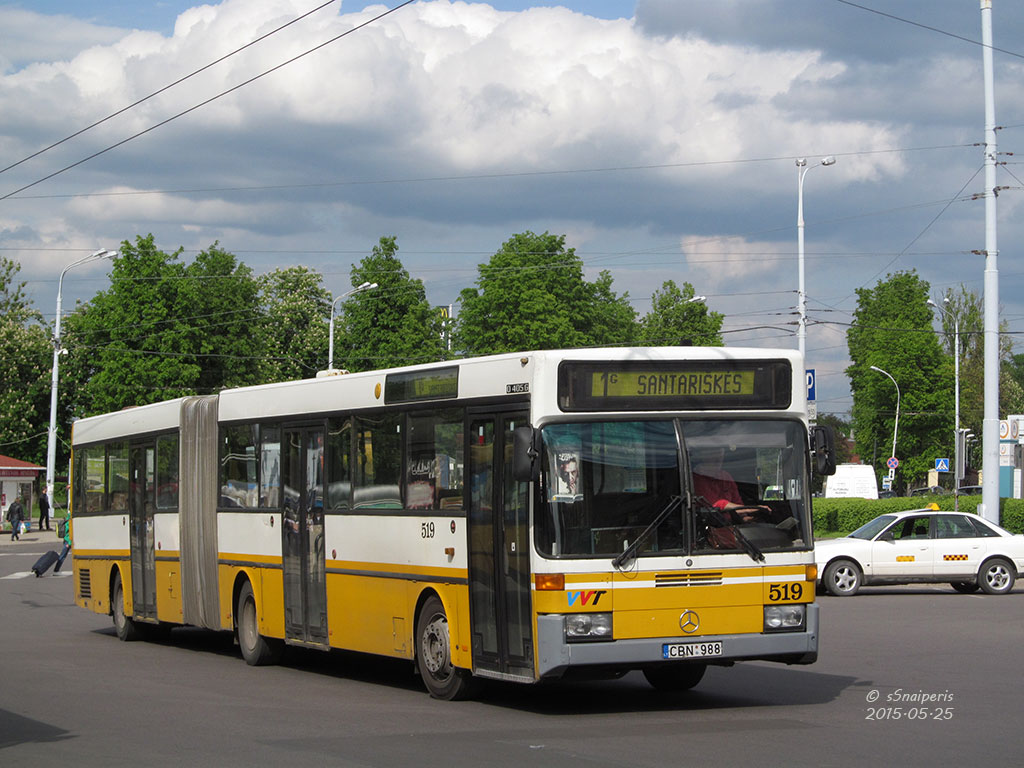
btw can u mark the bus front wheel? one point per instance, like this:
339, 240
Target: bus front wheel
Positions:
434, 657
675, 677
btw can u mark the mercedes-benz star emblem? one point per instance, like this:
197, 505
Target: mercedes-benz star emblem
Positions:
689, 621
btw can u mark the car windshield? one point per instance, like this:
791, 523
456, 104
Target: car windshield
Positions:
872, 529
604, 483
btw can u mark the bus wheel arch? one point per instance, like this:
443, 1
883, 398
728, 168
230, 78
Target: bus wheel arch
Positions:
257, 650
432, 646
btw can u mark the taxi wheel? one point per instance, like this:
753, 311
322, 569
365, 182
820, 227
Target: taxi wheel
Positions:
996, 577
675, 677
842, 578
965, 587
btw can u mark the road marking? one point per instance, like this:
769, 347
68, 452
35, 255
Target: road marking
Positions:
26, 574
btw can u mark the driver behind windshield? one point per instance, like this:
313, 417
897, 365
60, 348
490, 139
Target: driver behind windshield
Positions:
716, 485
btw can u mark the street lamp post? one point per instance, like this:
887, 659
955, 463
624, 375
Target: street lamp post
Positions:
956, 400
367, 286
802, 169
51, 437
896, 423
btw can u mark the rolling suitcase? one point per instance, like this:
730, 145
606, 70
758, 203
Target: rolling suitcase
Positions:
43, 563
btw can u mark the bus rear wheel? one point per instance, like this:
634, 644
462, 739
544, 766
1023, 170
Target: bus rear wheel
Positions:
434, 657
127, 629
675, 677
257, 650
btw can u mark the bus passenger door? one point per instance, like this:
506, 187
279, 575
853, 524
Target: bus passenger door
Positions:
141, 506
499, 566
302, 531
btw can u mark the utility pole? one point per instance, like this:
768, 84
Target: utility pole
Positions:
989, 508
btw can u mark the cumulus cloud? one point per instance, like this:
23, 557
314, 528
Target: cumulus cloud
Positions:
454, 125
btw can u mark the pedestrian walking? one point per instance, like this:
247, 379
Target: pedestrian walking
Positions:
15, 514
44, 511
64, 530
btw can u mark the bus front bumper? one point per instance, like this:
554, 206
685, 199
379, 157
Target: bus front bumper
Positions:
556, 656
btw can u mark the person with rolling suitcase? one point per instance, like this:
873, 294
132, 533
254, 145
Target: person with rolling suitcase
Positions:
43, 564
64, 531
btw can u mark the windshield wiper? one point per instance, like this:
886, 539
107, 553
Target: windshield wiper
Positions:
630, 551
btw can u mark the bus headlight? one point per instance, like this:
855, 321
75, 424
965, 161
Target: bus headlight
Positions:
588, 626
784, 618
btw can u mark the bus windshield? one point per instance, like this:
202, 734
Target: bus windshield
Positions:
604, 482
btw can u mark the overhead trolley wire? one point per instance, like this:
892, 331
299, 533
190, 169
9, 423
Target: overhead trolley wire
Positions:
209, 100
167, 87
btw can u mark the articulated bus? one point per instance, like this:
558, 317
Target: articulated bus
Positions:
523, 517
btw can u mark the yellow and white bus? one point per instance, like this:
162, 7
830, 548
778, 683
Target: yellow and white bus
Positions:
521, 517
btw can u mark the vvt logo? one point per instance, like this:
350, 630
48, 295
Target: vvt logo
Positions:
585, 597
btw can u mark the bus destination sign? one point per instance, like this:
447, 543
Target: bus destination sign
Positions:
674, 385
653, 384
434, 384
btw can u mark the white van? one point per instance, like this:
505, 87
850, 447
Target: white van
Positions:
852, 481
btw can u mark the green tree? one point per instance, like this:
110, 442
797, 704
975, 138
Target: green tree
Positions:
296, 312
26, 351
675, 319
892, 330
215, 310
162, 330
532, 295
390, 325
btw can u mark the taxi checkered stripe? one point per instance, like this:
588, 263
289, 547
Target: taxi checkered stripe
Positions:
954, 557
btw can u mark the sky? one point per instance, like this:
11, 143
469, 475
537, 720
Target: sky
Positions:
659, 136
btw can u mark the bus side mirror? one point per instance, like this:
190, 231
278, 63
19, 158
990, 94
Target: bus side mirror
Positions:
525, 467
823, 445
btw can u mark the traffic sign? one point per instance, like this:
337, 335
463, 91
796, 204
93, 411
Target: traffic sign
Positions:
892, 463
886, 483
810, 384
942, 465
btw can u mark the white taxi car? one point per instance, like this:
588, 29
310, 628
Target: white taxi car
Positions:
922, 545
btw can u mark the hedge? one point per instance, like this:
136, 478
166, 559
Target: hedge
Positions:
845, 515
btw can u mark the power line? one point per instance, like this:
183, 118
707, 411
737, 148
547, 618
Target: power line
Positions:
209, 100
432, 179
930, 29
179, 81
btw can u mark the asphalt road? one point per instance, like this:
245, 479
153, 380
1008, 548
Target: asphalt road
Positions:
72, 694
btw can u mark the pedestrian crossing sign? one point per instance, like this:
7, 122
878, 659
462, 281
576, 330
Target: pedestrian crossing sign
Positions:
942, 465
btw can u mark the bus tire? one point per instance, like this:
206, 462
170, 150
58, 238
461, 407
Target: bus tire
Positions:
257, 650
126, 628
434, 657
996, 576
675, 676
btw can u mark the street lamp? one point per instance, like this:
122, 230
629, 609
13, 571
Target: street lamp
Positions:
51, 437
896, 424
956, 399
367, 286
802, 169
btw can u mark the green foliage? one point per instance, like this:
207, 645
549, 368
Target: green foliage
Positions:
296, 311
846, 515
532, 295
26, 352
675, 319
162, 330
390, 325
893, 330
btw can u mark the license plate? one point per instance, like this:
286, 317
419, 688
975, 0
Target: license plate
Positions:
690, 650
